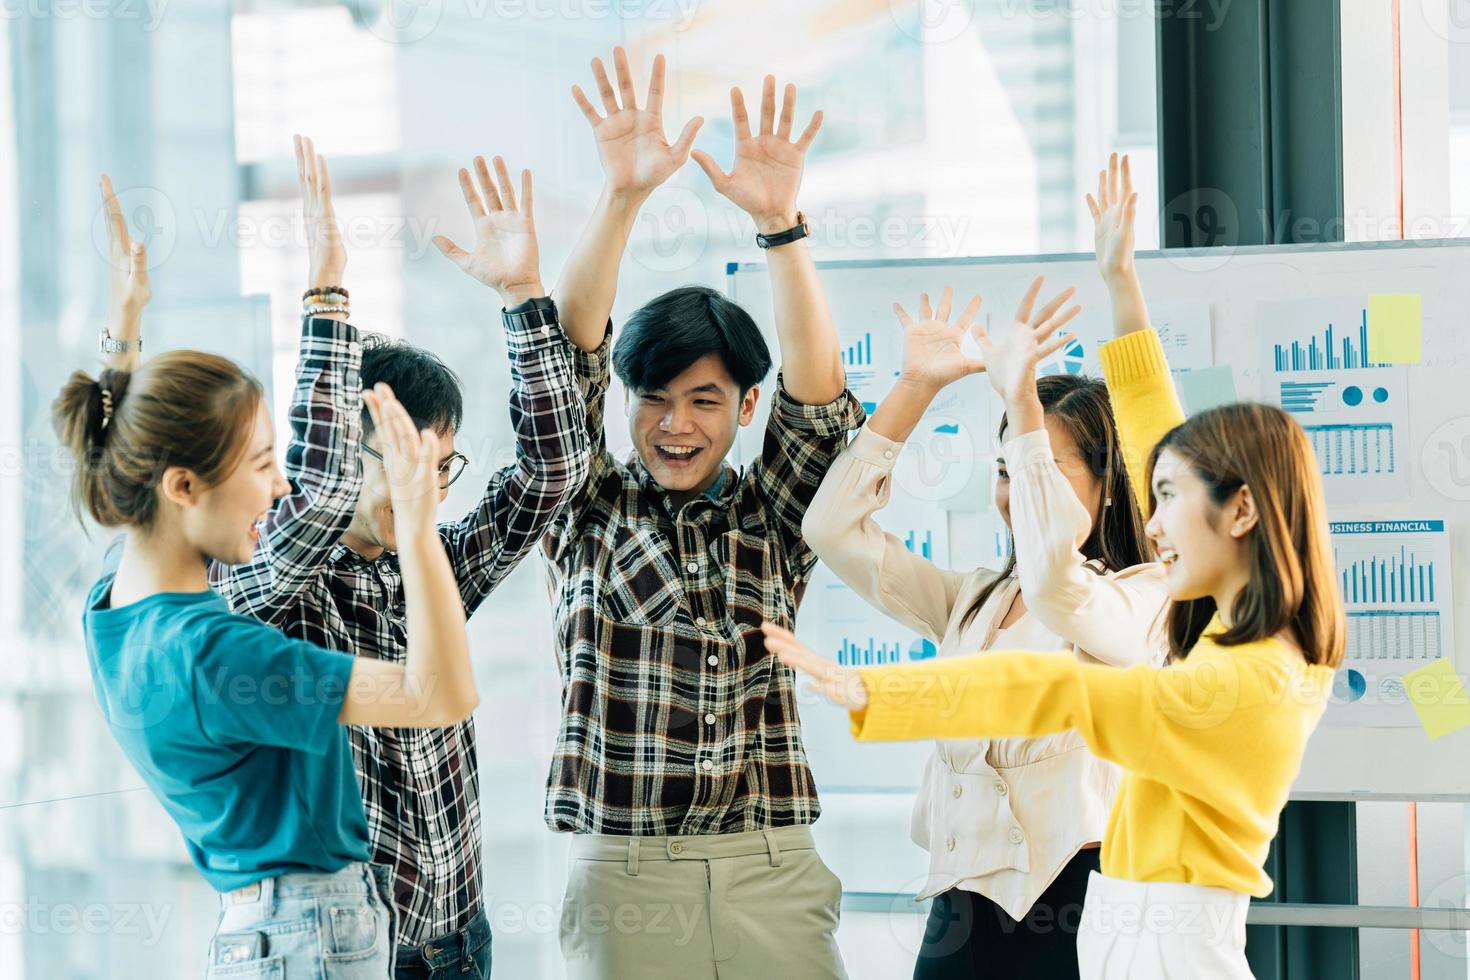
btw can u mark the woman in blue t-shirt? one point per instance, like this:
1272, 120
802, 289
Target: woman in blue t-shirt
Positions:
237, 729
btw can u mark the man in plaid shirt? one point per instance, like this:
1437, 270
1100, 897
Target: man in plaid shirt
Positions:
326, 570
679, 764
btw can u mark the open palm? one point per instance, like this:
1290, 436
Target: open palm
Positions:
933, 351
505, 256
1013, 353
130, 288
1112, 217
636, 158
768, 164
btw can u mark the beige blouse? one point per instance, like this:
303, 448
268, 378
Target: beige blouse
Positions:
999, 817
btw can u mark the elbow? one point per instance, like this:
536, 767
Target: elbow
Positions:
817, 528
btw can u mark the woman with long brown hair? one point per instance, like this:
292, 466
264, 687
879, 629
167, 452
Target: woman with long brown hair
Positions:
1210, 743
1012, 825
237, 729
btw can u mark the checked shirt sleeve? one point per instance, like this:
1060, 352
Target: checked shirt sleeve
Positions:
593, 370
801, 443
521, 500
325, 472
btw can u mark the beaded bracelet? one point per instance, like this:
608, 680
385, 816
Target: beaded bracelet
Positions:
318, 310
324, 291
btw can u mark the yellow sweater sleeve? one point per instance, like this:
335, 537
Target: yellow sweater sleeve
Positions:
997, 695
1171, 724
1145, 404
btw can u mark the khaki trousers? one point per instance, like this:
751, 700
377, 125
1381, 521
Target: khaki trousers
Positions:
752, 906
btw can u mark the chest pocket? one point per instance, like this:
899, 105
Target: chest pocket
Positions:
643, 585
754, 588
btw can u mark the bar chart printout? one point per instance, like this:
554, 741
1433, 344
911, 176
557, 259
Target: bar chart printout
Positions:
1354, 410
1394, 577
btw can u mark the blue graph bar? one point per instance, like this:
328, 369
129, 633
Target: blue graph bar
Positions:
1392, 579
926, 549
856, 655
1318, 354
1302, 396
860, 353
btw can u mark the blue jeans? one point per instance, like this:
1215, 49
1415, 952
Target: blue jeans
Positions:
337, 926
461, 955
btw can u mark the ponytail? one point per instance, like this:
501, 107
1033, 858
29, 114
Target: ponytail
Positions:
123, 429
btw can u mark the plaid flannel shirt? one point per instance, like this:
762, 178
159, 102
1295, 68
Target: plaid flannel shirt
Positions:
675, 719
420, 786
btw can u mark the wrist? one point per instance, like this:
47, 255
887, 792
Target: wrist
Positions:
624, 199
514, 294
328, 276
778, 221
917, 384
1120, 276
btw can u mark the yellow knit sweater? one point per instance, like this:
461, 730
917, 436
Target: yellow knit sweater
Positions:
1210, 745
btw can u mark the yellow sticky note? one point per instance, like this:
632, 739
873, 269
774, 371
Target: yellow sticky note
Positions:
1395, 322
1438, 698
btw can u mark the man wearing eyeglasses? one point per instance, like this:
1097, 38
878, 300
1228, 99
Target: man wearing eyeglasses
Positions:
327, 571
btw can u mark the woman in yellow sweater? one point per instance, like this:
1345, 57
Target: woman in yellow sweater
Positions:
1210, 743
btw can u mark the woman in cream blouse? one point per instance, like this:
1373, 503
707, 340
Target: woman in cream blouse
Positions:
1012, 825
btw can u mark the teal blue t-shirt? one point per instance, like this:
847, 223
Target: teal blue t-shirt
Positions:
233, 726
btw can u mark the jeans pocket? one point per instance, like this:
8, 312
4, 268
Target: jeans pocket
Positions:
241, 956
352, 931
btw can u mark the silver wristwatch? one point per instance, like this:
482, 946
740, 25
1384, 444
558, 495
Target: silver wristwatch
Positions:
108, 344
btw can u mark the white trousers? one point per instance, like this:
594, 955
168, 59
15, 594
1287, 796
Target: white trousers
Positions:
1137, 930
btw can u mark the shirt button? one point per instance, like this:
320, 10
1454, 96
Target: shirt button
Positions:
693, 566
1016, 835
714, 661
949, 844
700, 621
708, 764
1001, 788
354, 348
888, 454
709, 719
958, 790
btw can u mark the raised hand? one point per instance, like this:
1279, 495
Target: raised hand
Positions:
840, 685
635, 156
1012, 356
130, 289
932, 351
411, 459
505, 256
1112, 217
327, 255
768, 164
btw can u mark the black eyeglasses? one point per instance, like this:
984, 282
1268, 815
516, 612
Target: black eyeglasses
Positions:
449, 470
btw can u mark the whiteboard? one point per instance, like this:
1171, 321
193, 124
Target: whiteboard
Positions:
1343, 760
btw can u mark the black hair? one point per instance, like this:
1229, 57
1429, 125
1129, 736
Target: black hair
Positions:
428, 388
668, 334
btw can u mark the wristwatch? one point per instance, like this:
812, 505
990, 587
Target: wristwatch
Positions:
108, 344
785, 237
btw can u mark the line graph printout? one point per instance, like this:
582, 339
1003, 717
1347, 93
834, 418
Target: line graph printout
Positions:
1354, 410
1394, 577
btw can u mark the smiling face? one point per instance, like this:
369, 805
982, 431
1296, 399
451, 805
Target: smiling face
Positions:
1201, 542
222, 520
371, 531
684, 429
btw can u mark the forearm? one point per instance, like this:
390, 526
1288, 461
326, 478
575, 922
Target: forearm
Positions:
811, 363
1130, 310
589, 281
899, 414
438, 679
124, 325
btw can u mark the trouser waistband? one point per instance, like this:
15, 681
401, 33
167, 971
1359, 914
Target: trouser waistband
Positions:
692, 847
